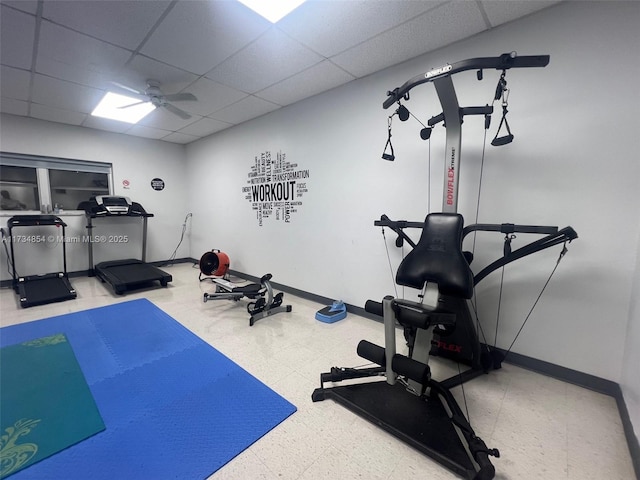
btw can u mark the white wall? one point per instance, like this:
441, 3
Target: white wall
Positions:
135, 159
573, 162
630, 382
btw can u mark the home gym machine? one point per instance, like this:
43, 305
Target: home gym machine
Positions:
410, 404
40, 289
127, 274
214, 266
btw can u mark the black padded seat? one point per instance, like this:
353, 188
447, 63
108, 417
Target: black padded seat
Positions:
438, 258
251, 290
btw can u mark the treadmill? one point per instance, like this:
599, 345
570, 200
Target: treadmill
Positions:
127, 274
40, 289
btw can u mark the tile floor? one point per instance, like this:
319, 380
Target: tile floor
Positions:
544, 428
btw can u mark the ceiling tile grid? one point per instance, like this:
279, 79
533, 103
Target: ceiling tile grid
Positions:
72, 56
198, 35
270, 59
15, 83
445, 24
147, 132
14, 107
58, 58
59, 115
243, 110
124, 22
319, 78
331, 27
17, 36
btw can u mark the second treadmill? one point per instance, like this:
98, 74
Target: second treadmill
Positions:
127, 274
40, 289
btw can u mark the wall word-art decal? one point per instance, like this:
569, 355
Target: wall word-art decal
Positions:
275, 187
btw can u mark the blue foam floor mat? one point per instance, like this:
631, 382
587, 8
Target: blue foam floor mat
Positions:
173, 406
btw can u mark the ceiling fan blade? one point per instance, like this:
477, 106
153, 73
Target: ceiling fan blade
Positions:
177, 111
181, 97
129, 89
133, 104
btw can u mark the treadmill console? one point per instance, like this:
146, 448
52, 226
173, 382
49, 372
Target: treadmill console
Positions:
113, 206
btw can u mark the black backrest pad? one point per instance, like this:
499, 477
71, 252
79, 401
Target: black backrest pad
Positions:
438, 258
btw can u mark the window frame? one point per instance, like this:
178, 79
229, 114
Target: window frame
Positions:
42, 165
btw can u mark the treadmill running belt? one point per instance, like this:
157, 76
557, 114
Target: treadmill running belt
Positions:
123, 275
40, 291
135, 273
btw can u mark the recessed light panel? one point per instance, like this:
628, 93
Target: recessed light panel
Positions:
272, 10
122, 108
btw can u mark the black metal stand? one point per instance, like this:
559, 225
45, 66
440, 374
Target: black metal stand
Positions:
40, 289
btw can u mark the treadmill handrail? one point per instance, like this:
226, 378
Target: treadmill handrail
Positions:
34, 220
107, 214
503, 62
30, 221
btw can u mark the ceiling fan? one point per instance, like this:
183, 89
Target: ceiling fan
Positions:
154, 95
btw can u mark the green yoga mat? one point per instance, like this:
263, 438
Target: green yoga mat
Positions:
45, 402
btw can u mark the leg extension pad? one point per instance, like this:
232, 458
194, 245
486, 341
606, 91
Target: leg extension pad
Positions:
400, 364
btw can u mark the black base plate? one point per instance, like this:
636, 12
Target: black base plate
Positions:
421, 422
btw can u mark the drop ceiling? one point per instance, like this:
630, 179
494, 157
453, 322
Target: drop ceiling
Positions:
58, 58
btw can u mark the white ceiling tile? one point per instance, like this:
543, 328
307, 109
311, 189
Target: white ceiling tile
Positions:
141, 69
331, 27
238, 64
165, 120
246, 109
29, 6
65, 95
53, 114
17, 32
204, 127
319, 78
212, 96
105, 124
270, 59
73, 73
14, 107
15, 83
75, 57
147, 132
500, 11
442, 26
124, 22
178, 137
196, 35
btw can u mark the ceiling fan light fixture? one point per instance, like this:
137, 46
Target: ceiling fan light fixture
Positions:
111, 106
272, 10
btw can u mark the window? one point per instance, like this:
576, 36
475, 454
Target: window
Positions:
19, 188
69, 188
48, 184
